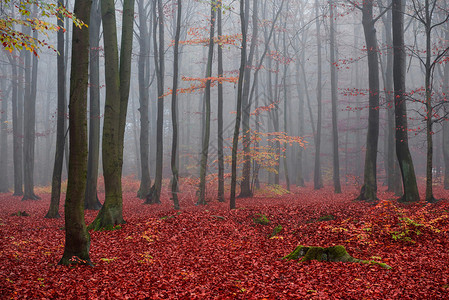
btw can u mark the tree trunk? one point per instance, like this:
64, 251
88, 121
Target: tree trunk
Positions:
77, 238
235, 138
221, 196
245, 186
4, 185
285, 146
402, 151
174, 108
91, 201
30, 123
336, 160
53, 211
317, 179
117, 92
206, 135
143, 76
369, 189
155, 191
446, 123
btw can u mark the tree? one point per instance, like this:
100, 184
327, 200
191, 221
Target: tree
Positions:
446, 123
335, 155
77, 238
206, 134
235, 138
174, 108
220, 143
29, 125
91, 201
143, 67
53, 211
400, 109
425, 15
158, 22
369, 187
117, 92
317, 179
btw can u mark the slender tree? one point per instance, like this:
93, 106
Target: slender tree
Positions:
220, 142
335, 154
4, 185
400, 109
91, 201
206, 134
143, 77
158, 22
317, 179
238, 116
174, 108
53, 211
446, 123
77, 238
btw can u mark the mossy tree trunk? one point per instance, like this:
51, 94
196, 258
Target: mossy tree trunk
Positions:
77, 238
117, 91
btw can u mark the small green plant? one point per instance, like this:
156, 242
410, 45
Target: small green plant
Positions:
276, 231
261, 219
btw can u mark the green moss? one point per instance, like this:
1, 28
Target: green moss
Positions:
322, 219
261, 219
333, 254
276, 231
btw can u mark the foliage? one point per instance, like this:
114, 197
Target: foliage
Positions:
12, 38
197, 255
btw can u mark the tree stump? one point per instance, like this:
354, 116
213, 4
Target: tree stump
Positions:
333, 254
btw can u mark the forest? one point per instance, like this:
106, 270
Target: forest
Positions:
224, 149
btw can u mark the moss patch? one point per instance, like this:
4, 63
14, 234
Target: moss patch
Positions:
334, 254
261, 219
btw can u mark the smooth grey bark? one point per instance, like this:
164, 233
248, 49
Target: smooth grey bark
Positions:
238, 116
29, 125
174, 108
335, 152
143, 77
91, 200
220, 196
317, 178
158, 22
206, 135
446, 123
4, 185
53, 211
400, 109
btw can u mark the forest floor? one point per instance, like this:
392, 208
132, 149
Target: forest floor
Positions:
211, 252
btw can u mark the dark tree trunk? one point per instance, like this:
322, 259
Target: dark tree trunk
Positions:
446, 123
402, 151
285, 146
235, 138
317, 179
143, 76
245, 186
221, 196
155, 191
206, 135
29, 127
335, 155
117, 92
369, 188
174, 108
53, 211
77, 238
91, 201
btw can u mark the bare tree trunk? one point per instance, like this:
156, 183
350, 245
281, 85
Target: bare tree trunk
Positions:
235, 139
446, 123
77, 238
91, 201
174, 108
336, 159
402, 151
221, 196
155, 191
53, 211
317, 179
4, 185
